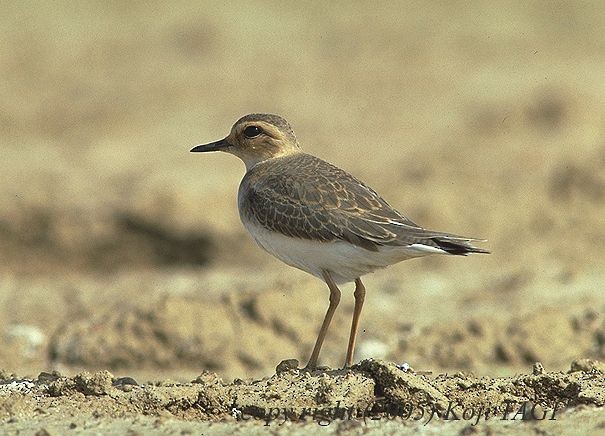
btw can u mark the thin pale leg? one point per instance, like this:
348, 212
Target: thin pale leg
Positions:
360, 295
334, 300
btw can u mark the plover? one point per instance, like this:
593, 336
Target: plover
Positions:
318, 218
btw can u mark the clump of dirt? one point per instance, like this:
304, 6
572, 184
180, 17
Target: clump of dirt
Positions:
370, 390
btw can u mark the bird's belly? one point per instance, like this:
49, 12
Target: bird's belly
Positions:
345, 261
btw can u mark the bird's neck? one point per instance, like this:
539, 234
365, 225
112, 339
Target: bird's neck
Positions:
253, 159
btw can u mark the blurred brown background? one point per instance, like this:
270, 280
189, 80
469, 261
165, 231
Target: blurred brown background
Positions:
120, 250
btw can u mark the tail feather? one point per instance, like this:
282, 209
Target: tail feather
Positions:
459, 247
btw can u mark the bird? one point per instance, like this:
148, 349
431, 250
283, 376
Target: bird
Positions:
320, 219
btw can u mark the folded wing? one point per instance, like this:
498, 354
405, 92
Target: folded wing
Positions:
328, 204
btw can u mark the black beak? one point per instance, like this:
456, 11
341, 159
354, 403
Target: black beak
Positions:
213, 146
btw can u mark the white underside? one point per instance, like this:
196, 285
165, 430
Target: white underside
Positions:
343, 260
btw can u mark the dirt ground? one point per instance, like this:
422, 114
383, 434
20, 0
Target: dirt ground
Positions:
132, 300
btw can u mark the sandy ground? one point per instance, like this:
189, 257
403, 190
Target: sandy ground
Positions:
131, 298
371, 391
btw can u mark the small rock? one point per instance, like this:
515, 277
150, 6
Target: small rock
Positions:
538, 368
405, 367
465, 384
5, 376
48, 377
124, 382
98, 383
286, 365
207, 378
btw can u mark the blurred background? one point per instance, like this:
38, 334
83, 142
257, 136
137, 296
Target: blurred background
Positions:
121, 250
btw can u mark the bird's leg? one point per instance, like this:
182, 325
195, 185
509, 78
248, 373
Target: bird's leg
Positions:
360, 295
334, 300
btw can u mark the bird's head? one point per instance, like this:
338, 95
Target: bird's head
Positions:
255, 138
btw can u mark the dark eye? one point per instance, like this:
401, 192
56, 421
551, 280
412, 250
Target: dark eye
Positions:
252, 131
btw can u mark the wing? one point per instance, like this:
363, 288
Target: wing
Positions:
308, 198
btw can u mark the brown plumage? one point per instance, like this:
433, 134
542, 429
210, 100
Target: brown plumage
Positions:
302, 196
